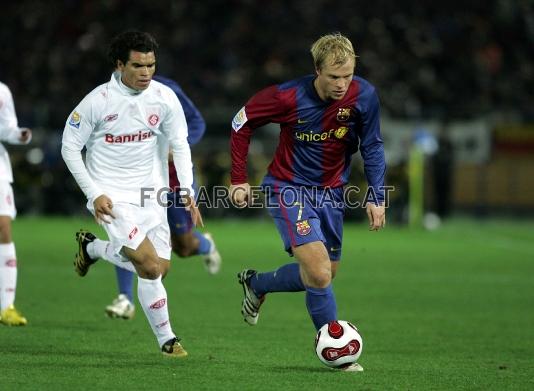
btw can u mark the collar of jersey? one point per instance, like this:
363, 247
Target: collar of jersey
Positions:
123, 87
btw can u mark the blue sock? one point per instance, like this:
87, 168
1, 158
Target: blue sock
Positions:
321, 305
284, 279
125, 282
204, 246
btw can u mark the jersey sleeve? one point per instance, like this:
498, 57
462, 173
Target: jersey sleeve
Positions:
175, 127
371, 144
264, 107
9, 129
77, 131
196, 126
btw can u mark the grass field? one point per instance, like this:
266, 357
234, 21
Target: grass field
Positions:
450, 309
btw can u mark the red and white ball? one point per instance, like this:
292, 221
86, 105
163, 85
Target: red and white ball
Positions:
338, 344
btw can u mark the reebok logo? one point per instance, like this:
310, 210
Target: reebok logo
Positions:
111, 117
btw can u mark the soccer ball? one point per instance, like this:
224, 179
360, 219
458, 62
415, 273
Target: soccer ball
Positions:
338, 344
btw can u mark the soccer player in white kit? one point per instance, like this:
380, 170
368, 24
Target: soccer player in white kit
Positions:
11, 133
127, 126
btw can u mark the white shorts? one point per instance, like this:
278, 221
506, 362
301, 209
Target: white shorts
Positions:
7, 200
132, 223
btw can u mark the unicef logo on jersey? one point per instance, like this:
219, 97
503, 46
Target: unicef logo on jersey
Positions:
338, 133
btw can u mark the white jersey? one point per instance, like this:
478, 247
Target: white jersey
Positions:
127, 134
9, 131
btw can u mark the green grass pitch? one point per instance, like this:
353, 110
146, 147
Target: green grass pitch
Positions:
450, 309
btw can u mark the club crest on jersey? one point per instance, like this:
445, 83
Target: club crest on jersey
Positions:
239, 120
303, 227
343, 114
340, 132
75, 120
153, 119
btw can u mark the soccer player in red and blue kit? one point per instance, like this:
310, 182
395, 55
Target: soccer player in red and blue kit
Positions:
324, 119
185, 240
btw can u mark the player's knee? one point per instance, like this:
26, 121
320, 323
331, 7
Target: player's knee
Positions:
183, 245
164, 268
333, 268
182, 251
152, 272
5, 231
150, 268
320, 279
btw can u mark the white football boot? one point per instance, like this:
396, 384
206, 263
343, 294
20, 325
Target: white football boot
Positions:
121, 307
354, 367
212, 260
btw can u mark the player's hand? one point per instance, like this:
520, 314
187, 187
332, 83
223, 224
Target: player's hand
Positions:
103, 208
377, 216
191, 206
239, 194
25, 135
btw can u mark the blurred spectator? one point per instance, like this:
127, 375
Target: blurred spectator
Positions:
427, 59
442, 167
431, 60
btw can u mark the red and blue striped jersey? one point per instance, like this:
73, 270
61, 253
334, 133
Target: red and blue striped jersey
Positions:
317, 138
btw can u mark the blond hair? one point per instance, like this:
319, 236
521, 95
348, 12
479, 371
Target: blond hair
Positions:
334, 48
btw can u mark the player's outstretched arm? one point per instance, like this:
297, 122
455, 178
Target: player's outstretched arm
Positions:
25, 135
377, 216
239, 194
16, 136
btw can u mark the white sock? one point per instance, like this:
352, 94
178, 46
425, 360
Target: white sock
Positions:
102, 249
8, 275
153, 298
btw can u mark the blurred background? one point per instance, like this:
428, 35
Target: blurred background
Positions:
456, 84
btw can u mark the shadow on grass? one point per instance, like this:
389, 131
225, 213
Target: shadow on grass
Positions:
303, 369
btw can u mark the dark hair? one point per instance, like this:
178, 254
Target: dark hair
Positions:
122, 44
